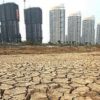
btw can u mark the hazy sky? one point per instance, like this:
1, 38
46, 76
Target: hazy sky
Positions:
86, 7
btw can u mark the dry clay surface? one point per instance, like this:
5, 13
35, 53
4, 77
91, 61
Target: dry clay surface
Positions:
68, 76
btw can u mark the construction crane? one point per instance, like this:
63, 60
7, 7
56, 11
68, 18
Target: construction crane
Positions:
3, 1
24, 4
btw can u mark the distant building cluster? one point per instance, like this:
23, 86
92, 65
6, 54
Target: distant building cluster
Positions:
79, 31
78, 34
9, 24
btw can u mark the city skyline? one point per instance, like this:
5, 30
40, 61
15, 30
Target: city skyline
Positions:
86, 7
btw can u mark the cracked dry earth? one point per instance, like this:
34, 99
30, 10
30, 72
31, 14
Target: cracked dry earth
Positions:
69, 76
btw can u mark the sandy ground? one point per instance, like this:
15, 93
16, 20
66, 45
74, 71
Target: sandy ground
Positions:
66, 76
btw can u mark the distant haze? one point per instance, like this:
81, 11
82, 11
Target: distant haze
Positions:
86, 7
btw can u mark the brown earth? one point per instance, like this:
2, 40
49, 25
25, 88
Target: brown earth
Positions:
45, 49
65, 76
49, 73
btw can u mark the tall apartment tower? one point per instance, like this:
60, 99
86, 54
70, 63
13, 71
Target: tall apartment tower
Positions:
9, 23
33, 22
98, 34
74, 28
88, 31
57, 24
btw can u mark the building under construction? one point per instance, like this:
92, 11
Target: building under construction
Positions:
33, 21
9, 23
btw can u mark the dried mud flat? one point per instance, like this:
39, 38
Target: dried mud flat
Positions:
67, 76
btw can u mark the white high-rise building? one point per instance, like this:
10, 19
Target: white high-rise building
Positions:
88, 31
98, 34
0, 27
57, 24
74, 28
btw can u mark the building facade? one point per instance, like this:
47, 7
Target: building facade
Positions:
33, 22
9, 23
57, 24
98, 34
74, 28
88, 31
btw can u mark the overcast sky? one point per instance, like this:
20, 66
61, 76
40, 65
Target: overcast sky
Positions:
86, 7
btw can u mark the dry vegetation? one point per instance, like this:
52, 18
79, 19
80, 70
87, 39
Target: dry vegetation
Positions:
44, 49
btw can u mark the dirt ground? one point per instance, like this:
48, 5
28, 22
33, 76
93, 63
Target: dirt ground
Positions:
6, 50
49, 73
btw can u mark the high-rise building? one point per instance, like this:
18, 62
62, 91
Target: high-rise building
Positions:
88, 31
9, 23
98, 34
74, 28
57, 24
33, 22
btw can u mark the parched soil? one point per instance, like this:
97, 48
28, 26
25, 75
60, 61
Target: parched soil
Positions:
64, 76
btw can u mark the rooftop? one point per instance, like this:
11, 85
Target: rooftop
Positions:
75, 14
61, 6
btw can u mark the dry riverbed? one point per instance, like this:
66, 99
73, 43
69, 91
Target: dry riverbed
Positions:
67, 76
